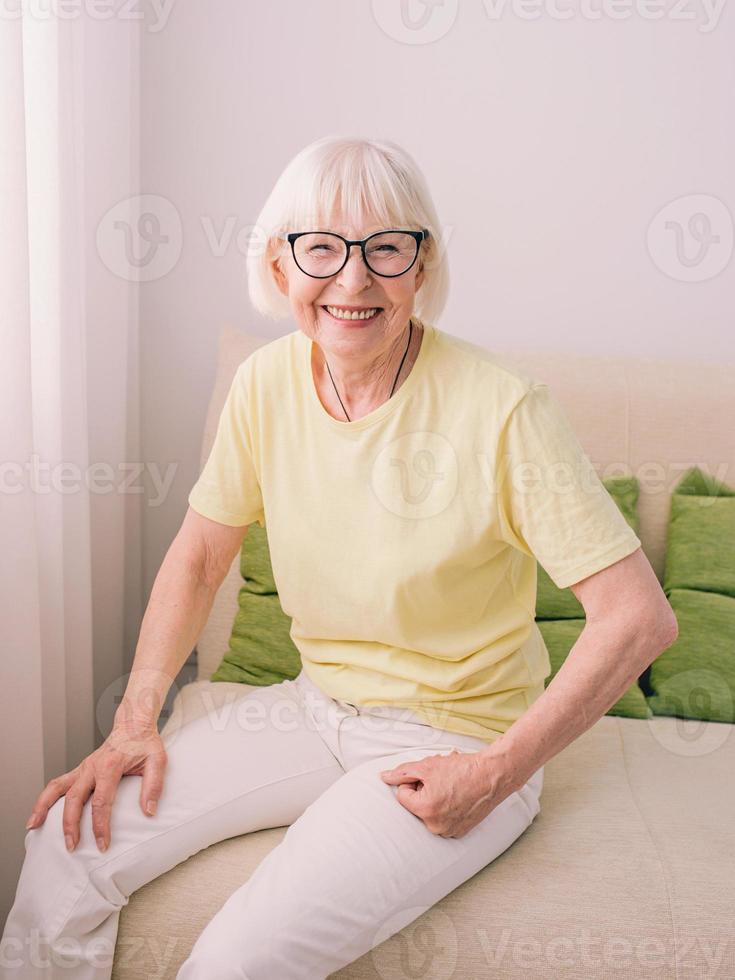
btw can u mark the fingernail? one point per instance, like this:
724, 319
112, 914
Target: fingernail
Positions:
101, 844
69, 842
31, 821
150, 807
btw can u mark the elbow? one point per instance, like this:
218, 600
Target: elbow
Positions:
663, 627
671, 628
665, 622
652, 628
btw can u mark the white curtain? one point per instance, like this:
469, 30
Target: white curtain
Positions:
68, 599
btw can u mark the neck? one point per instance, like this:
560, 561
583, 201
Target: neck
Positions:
364, 382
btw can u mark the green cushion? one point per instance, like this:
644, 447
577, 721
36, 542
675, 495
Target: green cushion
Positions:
695, 676
556, 603
700, 551
260, 649
560, 635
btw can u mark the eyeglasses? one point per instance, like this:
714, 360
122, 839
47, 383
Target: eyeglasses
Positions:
322, 254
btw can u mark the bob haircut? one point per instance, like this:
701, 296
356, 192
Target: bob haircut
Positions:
363, 179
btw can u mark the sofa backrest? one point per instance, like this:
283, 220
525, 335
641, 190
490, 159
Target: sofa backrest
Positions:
650, 418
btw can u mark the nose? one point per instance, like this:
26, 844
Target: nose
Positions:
355, 275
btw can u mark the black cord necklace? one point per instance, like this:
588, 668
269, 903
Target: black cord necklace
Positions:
410, 330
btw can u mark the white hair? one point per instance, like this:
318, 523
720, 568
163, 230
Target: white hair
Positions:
361, 178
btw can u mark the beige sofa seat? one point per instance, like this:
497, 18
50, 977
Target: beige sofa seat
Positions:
628, 869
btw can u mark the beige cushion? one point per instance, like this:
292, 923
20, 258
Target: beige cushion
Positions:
633, 847
629, 862
654, 419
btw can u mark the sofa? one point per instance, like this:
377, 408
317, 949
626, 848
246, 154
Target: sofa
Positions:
629, 869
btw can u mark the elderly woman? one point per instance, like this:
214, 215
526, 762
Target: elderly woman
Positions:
409, 482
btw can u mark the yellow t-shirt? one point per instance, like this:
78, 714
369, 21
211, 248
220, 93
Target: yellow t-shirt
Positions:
404, 543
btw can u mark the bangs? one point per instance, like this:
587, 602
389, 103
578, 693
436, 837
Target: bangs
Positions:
352, 188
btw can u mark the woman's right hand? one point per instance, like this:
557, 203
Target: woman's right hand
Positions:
128, 750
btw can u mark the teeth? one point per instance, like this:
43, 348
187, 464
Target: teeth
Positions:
354, 315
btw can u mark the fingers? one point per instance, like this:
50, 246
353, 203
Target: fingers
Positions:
54, 789
108, 779
76, 796
407, 772
150, 792
408, 794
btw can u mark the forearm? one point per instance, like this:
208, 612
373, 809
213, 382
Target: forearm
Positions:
607, 658
178, 608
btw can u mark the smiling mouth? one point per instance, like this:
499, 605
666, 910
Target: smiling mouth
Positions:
353, 316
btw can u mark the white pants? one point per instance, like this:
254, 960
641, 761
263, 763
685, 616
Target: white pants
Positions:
354, 867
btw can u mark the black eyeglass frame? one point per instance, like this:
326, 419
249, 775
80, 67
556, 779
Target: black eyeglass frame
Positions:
418, 236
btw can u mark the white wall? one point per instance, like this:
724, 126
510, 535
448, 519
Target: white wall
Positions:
550, 146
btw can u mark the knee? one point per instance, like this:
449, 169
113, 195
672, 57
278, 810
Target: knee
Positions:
51, 924
46, 843
46, 855
60, 886
47, 861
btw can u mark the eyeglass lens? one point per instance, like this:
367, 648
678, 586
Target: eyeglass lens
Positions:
323, 254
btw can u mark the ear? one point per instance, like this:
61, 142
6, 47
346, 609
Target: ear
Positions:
279, 276
420, 276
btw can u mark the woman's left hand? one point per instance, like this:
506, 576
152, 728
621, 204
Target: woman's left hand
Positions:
450, 793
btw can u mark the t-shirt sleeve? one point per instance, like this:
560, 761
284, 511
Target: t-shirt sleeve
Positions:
228, 490
552, 505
